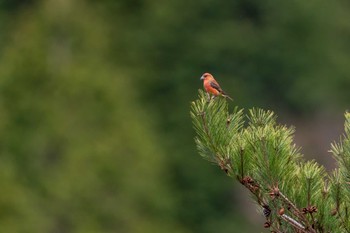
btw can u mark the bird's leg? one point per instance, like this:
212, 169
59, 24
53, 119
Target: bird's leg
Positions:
213, 97
209, 98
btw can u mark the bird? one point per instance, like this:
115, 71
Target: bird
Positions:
211, 86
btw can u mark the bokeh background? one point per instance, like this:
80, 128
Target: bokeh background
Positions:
95, 133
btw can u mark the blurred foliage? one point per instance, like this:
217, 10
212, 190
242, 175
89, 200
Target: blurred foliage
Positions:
94, 99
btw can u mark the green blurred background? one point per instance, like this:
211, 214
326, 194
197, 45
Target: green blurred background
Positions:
94, 106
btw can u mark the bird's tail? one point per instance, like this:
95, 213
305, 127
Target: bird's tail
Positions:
226, 96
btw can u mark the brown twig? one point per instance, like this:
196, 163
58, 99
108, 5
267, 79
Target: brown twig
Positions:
294, 223
297, 212
242, 163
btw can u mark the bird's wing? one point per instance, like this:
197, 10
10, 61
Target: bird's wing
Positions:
216, 86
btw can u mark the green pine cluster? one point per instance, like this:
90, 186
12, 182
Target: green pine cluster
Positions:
293, 194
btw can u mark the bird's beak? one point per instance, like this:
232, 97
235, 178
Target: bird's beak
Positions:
201, 78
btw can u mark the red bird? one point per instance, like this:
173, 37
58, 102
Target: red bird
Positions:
212, 86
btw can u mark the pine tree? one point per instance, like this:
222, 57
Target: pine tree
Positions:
293, 194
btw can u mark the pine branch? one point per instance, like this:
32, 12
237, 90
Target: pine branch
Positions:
262, 156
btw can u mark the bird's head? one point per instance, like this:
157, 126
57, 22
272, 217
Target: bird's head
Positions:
206, 76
